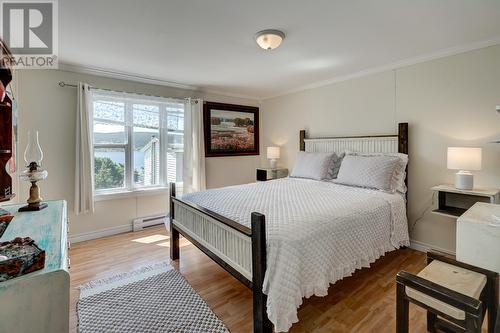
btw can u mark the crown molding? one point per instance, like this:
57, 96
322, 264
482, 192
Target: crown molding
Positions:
102, 72
393, 66
112, 74
227, 94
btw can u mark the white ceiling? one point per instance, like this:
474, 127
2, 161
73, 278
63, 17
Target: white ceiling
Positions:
209, 44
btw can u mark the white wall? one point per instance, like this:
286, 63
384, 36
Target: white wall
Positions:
50, 109
447, 102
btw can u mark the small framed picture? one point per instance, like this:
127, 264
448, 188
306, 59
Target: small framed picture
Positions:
230, 130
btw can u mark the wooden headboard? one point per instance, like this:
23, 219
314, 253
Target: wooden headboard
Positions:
390, 143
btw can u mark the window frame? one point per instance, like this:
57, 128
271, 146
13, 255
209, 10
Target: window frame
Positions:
130, 187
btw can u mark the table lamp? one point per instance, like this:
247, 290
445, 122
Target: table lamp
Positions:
464, 159
34, 173
273, 154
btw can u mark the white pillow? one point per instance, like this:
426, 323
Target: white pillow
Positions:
400, 172
318, 166
370, 171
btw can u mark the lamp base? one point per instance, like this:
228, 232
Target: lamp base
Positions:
33, 207
464, 180
272, 162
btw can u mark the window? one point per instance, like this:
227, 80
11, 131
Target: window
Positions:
138, 141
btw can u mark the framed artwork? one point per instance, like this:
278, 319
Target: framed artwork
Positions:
230, 130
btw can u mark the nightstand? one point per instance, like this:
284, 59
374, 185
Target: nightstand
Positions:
263, 174
453, 202
478, 236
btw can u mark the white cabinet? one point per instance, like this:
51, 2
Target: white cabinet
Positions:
478, 236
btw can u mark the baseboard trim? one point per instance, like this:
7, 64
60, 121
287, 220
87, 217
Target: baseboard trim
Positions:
120, 229
424, 247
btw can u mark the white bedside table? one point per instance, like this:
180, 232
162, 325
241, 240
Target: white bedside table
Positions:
478, 236
453, 202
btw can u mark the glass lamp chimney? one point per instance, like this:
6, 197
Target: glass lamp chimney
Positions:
33, 152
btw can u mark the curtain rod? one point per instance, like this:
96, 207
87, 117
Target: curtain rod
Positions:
64, 84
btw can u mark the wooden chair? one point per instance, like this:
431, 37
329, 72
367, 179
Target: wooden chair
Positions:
456, 295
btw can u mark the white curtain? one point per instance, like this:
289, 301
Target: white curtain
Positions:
84, 182
193, 174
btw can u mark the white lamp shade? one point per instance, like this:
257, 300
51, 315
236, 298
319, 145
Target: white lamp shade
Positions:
273, 153
464, 158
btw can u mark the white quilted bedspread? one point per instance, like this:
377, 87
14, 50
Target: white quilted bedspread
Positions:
317, 233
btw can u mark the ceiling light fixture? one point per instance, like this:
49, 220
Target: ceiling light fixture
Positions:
269, 39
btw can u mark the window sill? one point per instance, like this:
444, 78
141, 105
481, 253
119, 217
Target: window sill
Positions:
103, 196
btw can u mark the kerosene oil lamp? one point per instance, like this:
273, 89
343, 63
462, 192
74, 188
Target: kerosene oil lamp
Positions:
34, 173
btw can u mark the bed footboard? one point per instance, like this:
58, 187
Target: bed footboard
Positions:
238, 249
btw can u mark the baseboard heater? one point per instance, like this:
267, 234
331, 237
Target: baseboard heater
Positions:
140, 223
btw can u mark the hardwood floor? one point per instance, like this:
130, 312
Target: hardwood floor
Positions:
364, 302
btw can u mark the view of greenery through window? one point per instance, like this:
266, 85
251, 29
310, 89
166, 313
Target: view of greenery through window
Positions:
109, 174
115, 122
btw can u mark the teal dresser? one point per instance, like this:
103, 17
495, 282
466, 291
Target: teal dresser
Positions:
39, 301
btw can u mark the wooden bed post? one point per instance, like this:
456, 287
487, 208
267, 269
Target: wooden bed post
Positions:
403, 138
302, 143
261, 323
174, 234
403, 148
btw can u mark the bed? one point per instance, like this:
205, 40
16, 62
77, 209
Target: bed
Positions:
291, 238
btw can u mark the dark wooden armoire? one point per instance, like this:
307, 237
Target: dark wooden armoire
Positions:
6, 144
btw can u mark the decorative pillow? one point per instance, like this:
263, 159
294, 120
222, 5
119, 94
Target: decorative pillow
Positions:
376, 171
399, 173
316, 166
336, 165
